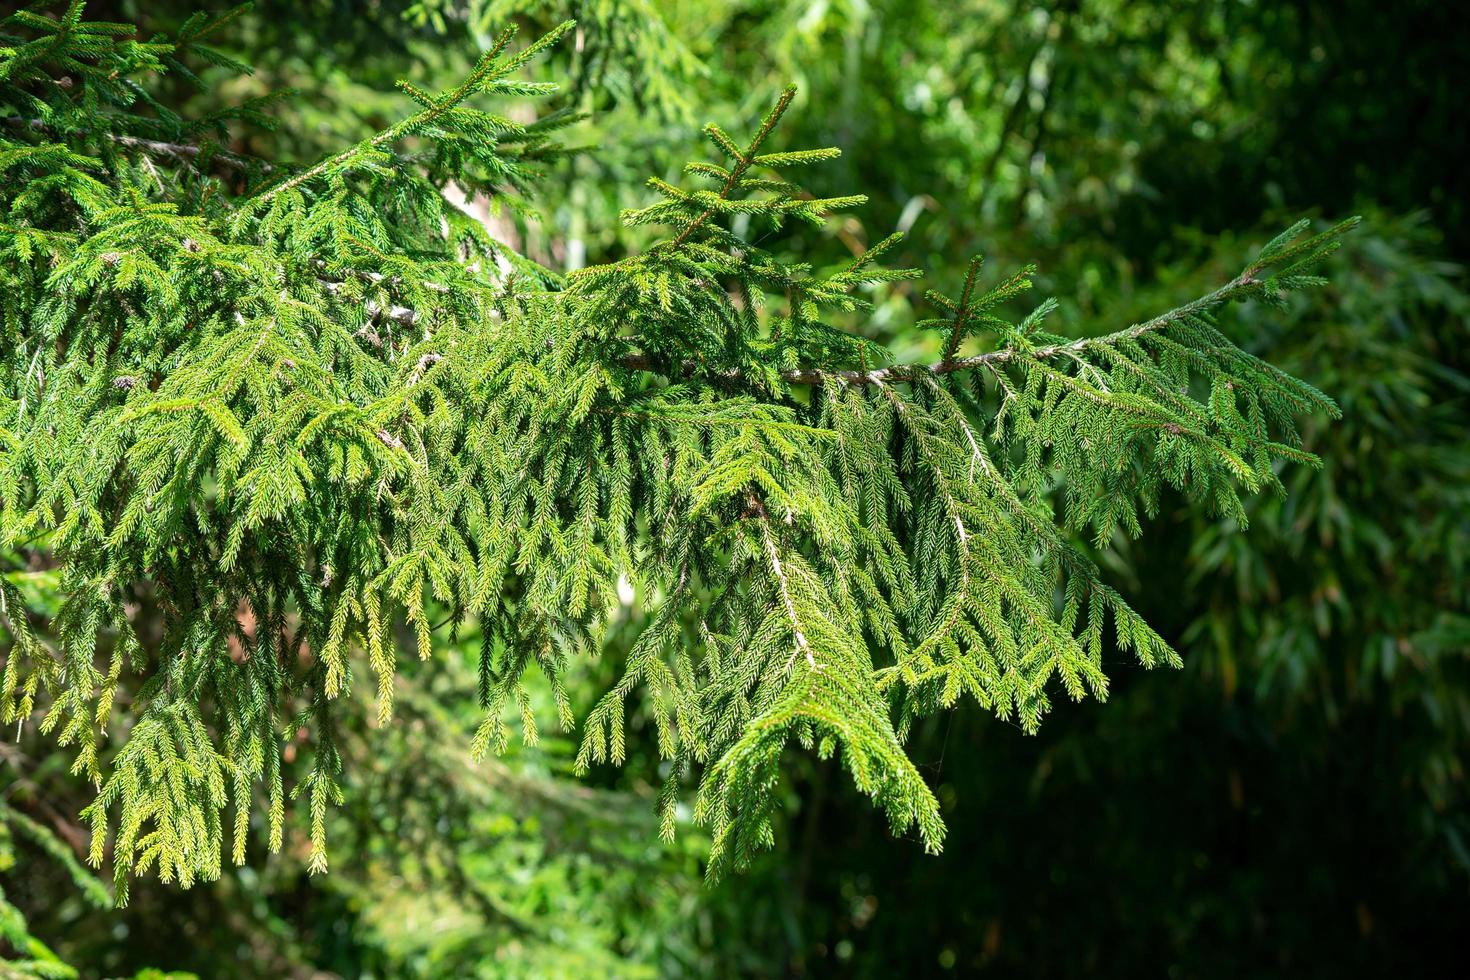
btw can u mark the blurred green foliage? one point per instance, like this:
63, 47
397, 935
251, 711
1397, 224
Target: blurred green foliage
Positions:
1294, 805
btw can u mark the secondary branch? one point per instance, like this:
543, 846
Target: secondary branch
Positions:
907, 372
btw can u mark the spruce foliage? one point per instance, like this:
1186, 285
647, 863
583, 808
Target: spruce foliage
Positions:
277, 425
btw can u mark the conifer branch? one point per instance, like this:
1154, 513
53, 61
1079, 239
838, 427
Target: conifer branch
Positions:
962, 311
490, 67
743, 161
900, 372
783, 585
163, 148
331, 407
191, 151
817, 375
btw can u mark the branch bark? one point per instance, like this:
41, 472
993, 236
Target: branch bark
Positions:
179, 151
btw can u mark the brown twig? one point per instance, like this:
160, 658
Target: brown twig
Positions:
180, 151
